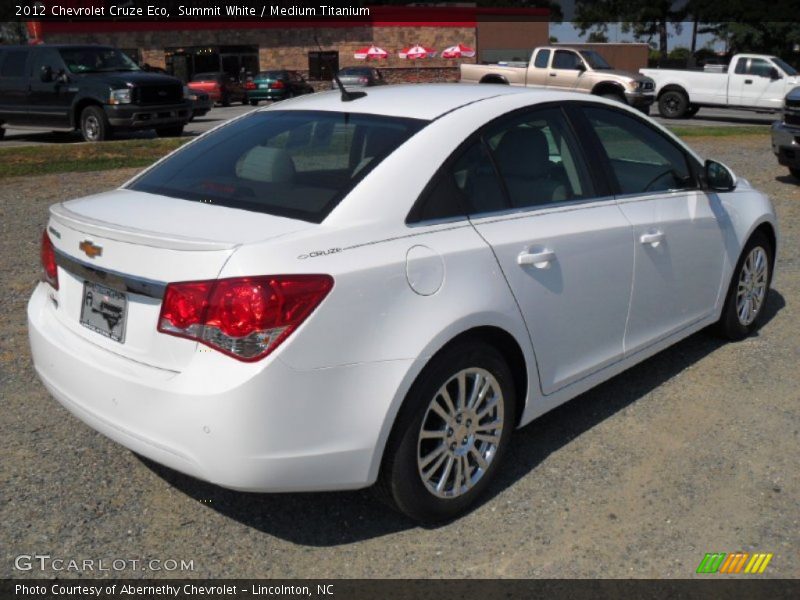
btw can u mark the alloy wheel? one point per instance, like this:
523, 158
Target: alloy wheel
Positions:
752, 286
460, 433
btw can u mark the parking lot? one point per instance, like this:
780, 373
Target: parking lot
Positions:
707, 117
694, 451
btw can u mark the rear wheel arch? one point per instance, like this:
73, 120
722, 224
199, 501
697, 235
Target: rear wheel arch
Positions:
494, 79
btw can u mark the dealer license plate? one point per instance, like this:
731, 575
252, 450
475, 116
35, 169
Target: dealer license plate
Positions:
104, 311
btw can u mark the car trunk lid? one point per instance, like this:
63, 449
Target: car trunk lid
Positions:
117, 251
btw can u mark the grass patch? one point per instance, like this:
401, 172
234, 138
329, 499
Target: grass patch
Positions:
63, 158
66, 157
718, 131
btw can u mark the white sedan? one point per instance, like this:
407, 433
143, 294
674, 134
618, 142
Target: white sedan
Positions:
336, 292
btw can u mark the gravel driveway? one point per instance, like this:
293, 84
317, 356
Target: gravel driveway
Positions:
696, 450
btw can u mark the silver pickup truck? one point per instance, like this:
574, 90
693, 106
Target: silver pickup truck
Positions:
568, 69
786, 134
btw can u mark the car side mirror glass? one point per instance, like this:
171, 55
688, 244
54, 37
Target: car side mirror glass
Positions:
580, 67
774, 74
719, 177
46, 74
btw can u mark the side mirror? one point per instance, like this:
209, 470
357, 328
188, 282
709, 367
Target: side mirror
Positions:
775, 74
580, 67
719, 177
46, 74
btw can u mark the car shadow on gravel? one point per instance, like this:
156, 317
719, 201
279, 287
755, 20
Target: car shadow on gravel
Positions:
337, 518
787, 179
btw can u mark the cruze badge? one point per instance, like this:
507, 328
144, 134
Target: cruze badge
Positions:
89, 249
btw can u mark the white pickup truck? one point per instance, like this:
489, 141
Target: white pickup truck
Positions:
751, 82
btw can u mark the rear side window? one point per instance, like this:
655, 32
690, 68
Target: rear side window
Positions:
642, 159
541, 59
466, 185
297, 164
14, 63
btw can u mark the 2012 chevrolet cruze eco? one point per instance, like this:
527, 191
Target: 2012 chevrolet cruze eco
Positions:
336, 292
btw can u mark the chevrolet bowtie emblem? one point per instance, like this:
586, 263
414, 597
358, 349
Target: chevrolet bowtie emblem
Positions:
89, 249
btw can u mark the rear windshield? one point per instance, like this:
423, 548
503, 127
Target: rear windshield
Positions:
272, 74
355, 71
296, 164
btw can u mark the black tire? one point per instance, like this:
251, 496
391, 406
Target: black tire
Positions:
673, 104
730, 326
253, 102
400, 482
226, 100
94, 125
2, 131
645, 110
795, 172
172, 131
691, 111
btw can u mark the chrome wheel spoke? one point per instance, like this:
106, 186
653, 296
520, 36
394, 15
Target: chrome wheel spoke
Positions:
437, 408
440, 487
439, 452
489, 439
430, 435
489, 427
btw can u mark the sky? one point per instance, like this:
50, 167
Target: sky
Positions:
566, 32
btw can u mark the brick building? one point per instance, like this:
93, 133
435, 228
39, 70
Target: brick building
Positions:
187, 47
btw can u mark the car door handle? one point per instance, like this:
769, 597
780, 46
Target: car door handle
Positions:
653, 238
553, 74
540, 260
748, 81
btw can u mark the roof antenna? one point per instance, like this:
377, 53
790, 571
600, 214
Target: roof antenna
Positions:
347, 96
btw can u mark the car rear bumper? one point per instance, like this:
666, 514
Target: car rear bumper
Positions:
786, 144
131, 116
262, 427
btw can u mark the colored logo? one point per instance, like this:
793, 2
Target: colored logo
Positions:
735, 563
90, 249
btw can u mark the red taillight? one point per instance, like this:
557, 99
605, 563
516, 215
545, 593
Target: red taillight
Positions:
245, 317
250, 86
48, 255
277, 85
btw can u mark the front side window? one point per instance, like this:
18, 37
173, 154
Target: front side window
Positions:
759, 67
537, 159
642, 159
298, 164
564, 59
96, 60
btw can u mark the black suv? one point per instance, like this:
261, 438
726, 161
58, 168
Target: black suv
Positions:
96, 89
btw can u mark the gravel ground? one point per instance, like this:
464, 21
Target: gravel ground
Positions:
696, 450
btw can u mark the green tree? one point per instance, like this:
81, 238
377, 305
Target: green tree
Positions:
645, 19
13, 32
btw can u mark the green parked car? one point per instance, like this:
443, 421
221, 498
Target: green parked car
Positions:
276, 85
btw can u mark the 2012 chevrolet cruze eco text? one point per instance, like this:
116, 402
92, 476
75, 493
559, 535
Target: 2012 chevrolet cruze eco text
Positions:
334, 292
